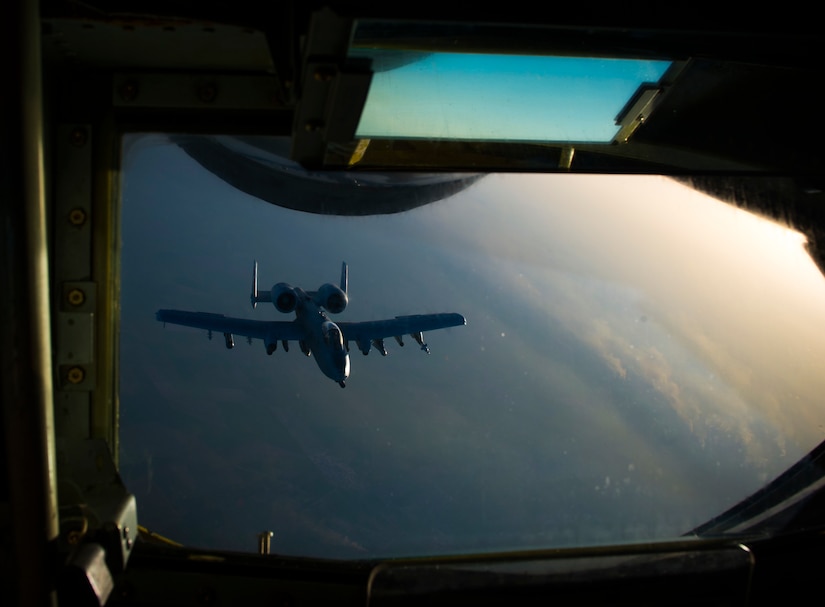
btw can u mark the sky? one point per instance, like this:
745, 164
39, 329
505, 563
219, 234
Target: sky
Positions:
638, 357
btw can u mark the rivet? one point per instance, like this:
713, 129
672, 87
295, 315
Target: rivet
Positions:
323, 74
208, 92
129, 90
313, 126
77, 217
75, 375
76, 297
74, 537
78, 137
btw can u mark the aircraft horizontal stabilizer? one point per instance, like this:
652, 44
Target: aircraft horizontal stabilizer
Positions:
266, 296
344, 276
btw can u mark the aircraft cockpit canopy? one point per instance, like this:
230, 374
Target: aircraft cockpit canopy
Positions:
332, 334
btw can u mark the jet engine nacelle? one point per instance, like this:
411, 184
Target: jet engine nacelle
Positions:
332, 298
284, 297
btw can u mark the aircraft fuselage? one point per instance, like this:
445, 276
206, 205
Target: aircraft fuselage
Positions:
324, 339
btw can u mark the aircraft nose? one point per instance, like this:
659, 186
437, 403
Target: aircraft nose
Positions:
343, 370
342, 376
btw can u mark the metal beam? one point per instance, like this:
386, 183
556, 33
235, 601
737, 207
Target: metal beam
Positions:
25, 323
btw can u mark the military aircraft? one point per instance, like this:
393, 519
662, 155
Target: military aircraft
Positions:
315, 333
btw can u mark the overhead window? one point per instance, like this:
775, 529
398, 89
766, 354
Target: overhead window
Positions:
496, 97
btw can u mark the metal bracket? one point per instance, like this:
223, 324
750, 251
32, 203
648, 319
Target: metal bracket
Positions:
95, 505
86, 579
638, 110
195, 91
333, 91
74, 327
73, 203
641, 105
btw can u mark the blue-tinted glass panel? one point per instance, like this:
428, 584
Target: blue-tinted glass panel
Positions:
499, 97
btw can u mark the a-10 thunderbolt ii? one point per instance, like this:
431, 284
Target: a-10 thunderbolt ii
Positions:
317, 336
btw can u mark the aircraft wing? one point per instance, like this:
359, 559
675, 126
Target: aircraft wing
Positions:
365, 332
269, 331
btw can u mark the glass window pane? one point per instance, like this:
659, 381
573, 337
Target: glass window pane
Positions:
638, 357
499, 97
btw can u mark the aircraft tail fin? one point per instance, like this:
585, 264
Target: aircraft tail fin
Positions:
256, 297
344, 276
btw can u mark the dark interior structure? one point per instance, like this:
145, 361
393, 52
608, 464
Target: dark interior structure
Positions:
738, 116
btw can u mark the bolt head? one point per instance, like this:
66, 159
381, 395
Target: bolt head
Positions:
77, 217
129, 91
75, 375
76, 297
78, 137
